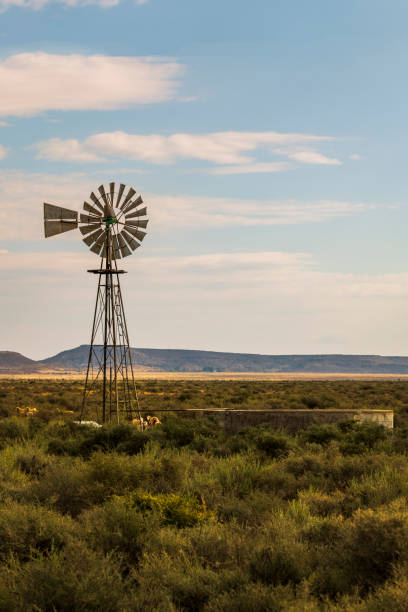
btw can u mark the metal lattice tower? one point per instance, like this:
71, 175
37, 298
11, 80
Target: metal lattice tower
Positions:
112, 227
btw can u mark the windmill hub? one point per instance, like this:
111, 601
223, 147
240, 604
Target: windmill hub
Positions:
110, 216
113, 226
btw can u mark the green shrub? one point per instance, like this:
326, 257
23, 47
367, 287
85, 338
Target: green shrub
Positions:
174, 509
274, 566
263, 438
117, 526
74, 579
13, 429
320, 434
31, 463
322, 504
393, 596
180, 583
364, 555
365, 436
273, 444
259, 598
26, 529
176, 431
66, 485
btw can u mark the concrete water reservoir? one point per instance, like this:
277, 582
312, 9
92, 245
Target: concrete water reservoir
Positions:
291, 420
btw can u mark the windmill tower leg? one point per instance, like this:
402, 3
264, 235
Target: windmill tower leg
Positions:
110, 393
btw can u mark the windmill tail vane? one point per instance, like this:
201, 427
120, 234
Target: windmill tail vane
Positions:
112, 226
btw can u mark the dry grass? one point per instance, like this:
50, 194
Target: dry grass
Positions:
250, 376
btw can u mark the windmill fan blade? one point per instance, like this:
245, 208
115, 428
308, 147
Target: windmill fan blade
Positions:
129, 196
138, 213
131, 241
86, 229
89, 219
94, 237
135, 232
92, 210
112, 193
131, 205
125, 251
108, 211
101, 240
57, 212
120, 193
121, 241
54, 226
96, 249
96, 201
101, 190
139, 223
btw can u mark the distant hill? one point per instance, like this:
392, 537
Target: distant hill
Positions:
172, 360
15, 363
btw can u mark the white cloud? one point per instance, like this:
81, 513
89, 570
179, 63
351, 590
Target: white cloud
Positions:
313, 157
355, 156
255, 168
22, 195
4, 124
69, 150
35, 82
234, 151
39, 4
3, 152
169, 211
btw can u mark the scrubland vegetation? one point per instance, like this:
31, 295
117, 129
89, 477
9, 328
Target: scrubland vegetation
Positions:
184, 517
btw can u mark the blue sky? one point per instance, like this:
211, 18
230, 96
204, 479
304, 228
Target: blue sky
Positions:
268, 140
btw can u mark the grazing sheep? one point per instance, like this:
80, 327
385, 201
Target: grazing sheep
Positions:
153, 421
143, 424
140, 424
27, 410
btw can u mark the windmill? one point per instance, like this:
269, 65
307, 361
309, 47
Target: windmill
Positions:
112, 227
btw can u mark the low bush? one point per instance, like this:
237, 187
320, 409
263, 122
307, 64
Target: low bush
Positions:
13, 429
174, 509
275, 566
28, 529
73, 579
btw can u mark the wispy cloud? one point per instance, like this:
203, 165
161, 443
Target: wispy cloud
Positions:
170, 211
313, 157
69, 150
37, 5
234, 152
3, 152
35, 82
254, 168
22, 194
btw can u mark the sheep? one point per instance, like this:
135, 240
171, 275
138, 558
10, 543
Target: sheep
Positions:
153, 421
27, 410
140, 424
143, 424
